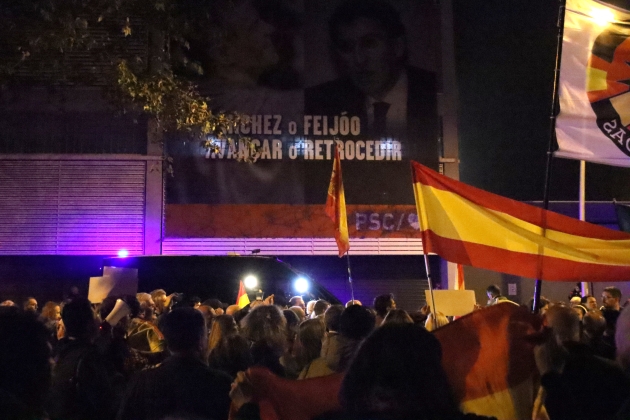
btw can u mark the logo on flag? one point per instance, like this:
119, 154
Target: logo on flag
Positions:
608, 84
595, 84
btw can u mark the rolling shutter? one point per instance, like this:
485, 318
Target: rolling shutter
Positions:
70, 207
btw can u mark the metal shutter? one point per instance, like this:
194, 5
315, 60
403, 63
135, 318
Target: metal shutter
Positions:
72, 206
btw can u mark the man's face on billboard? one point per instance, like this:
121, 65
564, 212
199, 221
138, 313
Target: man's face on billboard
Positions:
369, 56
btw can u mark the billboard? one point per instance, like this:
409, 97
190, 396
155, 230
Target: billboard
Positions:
363, 75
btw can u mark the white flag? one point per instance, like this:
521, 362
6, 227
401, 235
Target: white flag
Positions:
595, 84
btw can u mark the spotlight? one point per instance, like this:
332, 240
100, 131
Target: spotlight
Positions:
301, 285
251, 282
123, 253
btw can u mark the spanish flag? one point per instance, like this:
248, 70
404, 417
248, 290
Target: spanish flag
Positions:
466, 225
336, 206
242, 300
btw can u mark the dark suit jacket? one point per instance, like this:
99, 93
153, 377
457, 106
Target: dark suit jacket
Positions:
337, 96
180, 386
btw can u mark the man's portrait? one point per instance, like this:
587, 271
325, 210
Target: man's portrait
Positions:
394, 100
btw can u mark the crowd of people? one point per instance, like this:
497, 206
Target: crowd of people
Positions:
160, 356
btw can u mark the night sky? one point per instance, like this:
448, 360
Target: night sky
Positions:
505, 53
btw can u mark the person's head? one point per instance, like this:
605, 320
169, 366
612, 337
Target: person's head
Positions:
353, 302
309, 307
160, 299
147, 306
320, 307
232, 309
356, 322
589, 302
265, 323
185, 331
593, 324
399, 316
8, 303
580, 311
51, 311
383, 303
368, 43
493, 291
434, 322
390, 376
223, 326
24, 364
310, 335
611, 298
299, 312
78, 319
293, 323
30, 304
332, 316
297, 301
564, 323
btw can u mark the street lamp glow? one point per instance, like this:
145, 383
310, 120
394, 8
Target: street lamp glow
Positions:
301, 285
251, 282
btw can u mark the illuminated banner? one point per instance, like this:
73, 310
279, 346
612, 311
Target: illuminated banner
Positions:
360, 74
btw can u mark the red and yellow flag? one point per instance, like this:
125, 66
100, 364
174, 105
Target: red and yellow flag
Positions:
242, 300
336, 206
466, 225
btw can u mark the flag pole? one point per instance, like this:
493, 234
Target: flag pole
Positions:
552, 134
350, 276
426, 266
582, 212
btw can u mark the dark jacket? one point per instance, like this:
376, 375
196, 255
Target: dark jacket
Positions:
589, 387
179, 386
81, 387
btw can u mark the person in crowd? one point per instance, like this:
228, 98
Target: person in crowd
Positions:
355, 323
8, 303
309, 348
297, 301
579, 310
208, 314
319, 308
265, 328
216, 305
183, 385
572, 377
389, 378
435, 321
143, 334
309, 307
353, 302
589, 302
24, 366
382, 305
611, 308
51, 314
30, 304
232, 309
228, 351
399, 316
82, 387
593, 328
288, 359
328, 360
494, 295
299, 312
122, 360
543, 305
161, 301
611, 299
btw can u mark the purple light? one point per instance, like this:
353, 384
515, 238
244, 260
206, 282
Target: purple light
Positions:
123, 253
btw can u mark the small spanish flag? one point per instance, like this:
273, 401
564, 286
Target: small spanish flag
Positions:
336, 206
242, 300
